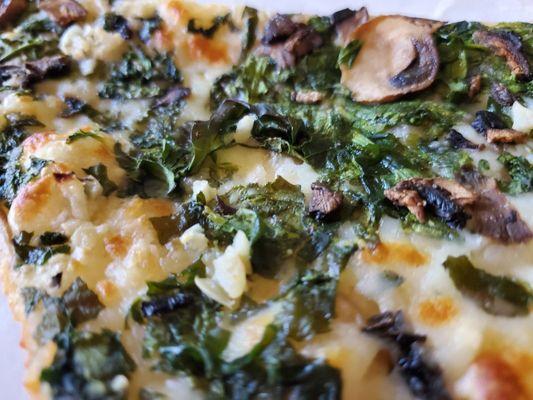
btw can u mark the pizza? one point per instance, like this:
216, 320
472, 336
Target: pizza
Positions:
208, 203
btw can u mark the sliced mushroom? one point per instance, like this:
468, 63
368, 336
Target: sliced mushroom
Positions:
505, 136
458, 141
325, 203
63, 12
443, 198
34, 71
287, 50
307, 97
508, 45
502, 95
398, 56
491, 213
11, 9
278, 29
347, 21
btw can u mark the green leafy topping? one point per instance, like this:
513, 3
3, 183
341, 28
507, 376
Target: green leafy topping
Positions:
189, 339
36, 255
250, 21
348, 54
520, 172
82, 134
31, 297
149, 26
77, 305
88, 365
139, 76
210, 31
99, 171
498, 295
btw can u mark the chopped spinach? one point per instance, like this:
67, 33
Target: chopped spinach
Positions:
149, 26
520, 173
37, 255
189, 339
117, 23
139, 76
250, 21
99, 171
348, 54
87, 365
78, 304
216, 23
498, 295
82, 134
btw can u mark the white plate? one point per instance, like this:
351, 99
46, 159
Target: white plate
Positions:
11, 357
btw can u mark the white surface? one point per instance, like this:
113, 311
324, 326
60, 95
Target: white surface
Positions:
11, 357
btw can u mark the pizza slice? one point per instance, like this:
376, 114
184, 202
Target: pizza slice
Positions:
200, 202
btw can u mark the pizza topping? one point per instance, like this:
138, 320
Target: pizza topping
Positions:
63, 12
37, 255
520, 172
492, 214
346, 22
474, 86
409, 60
423, 377
458, 141
508, 45
117, 23
278, 29
502, 95
89, 365
485, 120
308, 97
497, 295
34, 71
209, 32
165, 304
287, 42
506, 136
441, 197
325, 203
222, 208
11, 9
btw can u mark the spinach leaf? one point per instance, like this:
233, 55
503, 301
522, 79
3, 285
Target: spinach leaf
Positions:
31, 297
149, 26
87, 364
250, 21
99, 171
77, 305
348, 54
82, 134
520, 172
139, 76
189, 339
117, 23
209, 32
498, 295
37, 255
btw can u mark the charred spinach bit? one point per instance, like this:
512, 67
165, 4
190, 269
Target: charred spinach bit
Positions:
88, 366
520, 172
99, 171
189, 339
348, 54
117, 23
187, 215
498, 295
139, 76
250, 21
37, 255
77, 305
216, 23
82, 134
423, 377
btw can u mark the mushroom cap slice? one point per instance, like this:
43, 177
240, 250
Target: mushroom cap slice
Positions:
11, 9
398, 56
